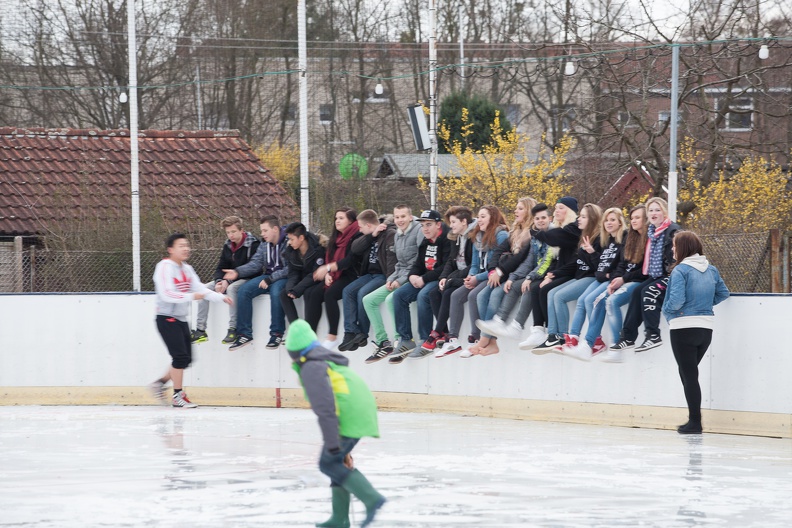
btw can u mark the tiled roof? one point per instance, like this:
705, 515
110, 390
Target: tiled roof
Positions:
634, 183
48, 176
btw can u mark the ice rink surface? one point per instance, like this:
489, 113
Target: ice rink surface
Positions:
75, 467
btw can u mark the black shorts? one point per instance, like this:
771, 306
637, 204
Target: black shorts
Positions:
176, 335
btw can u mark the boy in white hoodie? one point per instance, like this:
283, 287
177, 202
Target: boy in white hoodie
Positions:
177, 285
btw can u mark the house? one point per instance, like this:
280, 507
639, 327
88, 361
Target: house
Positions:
60, 184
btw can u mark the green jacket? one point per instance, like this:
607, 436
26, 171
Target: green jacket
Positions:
339, 397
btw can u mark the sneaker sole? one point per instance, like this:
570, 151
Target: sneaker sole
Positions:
544, 350
644, 349
234, 349
446, 354
201, 340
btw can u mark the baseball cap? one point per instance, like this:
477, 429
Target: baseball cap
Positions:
430, 214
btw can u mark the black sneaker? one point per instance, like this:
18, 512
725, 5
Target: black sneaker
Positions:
275, 341
649, 343
241, 341
360, 340
382, 351
623, 344
230, 337
346, 343
552, 341
198, 336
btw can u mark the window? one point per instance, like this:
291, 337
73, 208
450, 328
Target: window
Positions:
326, 114
664, 116
512, 112
626, 119
564, 116
739, 114
291, 113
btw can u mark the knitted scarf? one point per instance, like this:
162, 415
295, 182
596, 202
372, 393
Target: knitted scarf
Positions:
653, 256
342, 244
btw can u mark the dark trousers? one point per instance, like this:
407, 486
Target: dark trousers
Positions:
539, 298
689, 346
645, 306
441, 304
289, 309
329, 297
332, 465
176, 335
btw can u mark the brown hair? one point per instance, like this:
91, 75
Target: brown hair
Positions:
351, 214
490, 237
635, 246
270, 220
460, 212
229, 221
520, 234
368, 216
686, 244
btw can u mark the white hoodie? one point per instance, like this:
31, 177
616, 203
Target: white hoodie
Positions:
176, 286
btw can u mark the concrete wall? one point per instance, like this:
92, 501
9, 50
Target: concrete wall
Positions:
104, 348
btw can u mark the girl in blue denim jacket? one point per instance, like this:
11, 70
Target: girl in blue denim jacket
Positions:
695, 286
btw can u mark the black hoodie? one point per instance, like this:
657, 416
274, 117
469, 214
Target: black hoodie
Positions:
432, 256
301, 267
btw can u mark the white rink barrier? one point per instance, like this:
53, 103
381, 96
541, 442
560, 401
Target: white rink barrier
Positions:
104, 348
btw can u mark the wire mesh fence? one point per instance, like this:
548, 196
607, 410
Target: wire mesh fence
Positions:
744, 261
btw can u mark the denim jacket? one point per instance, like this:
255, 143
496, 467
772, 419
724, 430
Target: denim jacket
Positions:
694, 287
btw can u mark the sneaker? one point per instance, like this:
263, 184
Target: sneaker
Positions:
240, 342
512, 330
466, 353
569, 343
331, 344
346, 343
623, 344
537, 337
157, 390
419, 353
395, 360
472, 339
613, 356
431, 342
403, 349
275, 341
230, 337
383, 350
180, 399
451, 346
599, 346
581, 351
198, 336
360, 340
495, 326
552, 341
653, 341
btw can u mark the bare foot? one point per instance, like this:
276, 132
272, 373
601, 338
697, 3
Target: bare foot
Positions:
480, 344
490, 349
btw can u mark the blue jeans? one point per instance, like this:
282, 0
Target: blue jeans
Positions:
613, 306
493, 301
557, 299
356, 320
332, 465
245, 296
596, 316
402, 297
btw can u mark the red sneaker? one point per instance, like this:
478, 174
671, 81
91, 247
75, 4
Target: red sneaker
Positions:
599, 346
569, 342
431, 342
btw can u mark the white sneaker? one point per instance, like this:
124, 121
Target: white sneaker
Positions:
451, 346
537, 337
331, 344
180, 399
466, 353
582, 351
495, 326
612, 356
512, 330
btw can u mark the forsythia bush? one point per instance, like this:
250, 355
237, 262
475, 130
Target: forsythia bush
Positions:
755, 198
501, 172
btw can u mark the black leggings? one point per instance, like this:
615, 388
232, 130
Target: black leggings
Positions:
441, 300
539, 298
689, 346
329, 297
645, 306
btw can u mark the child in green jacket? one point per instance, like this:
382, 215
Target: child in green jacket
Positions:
346, 411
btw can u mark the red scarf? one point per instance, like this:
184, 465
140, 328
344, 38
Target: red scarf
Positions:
234, 247
342, 244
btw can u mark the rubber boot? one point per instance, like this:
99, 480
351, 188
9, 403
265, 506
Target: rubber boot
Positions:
359, 486
340, 517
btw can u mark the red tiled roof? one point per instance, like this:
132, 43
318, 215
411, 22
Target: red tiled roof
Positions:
54, 175
633, 184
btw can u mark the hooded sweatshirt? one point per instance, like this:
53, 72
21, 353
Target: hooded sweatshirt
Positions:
432, 256
269, 260
342, 402
301, 267
233, 257
176, 285
458, 263
405, 245
694, 287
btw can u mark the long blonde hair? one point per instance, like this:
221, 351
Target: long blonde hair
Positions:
619, 236
521, 232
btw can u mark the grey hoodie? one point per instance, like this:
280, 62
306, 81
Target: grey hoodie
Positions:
406, 244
